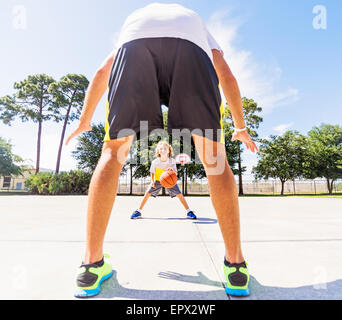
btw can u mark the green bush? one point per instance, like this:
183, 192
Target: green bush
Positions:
38, 183
79, 181
339, 186
73, 182
59, 183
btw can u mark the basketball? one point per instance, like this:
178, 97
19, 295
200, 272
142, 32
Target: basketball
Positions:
168, 179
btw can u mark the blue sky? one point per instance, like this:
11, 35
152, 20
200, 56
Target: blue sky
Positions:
291, 69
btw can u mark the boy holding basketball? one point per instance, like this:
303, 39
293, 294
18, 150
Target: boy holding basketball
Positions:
163, 162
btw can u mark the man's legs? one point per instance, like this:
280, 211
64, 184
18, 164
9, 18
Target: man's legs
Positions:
223, 193
102, 193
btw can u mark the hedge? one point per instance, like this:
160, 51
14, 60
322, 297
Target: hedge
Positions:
73, 182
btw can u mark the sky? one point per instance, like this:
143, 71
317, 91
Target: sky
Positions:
285, 54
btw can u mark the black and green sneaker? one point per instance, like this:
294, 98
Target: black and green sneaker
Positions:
237, 278
90, 277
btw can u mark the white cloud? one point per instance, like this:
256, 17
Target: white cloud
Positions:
281, 128
256, 80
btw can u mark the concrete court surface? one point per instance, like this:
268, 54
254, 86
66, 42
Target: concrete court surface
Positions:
293, 246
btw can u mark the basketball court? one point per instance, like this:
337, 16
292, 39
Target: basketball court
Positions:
292, 246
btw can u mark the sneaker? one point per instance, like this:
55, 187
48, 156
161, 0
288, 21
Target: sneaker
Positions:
136, 215
237, 278
191, 215
90, 277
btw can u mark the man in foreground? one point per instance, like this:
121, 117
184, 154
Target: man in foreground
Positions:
164, 55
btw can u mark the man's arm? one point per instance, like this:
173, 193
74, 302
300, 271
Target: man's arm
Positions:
97, 88
232, 93
230, 88
95, 91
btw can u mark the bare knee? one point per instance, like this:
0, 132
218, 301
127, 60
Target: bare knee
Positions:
218, 168
212, 155
116, 151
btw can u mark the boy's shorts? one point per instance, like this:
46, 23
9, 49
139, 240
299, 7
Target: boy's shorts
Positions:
150, 72
155, 191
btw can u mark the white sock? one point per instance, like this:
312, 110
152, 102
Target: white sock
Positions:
188, 210
138, 210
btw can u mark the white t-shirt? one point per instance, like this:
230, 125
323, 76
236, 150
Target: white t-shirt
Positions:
158, 167
167, 20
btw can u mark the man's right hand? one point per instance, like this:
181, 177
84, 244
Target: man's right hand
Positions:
246, 139
82, 127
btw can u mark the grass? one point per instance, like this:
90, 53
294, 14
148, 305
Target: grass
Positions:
320, 195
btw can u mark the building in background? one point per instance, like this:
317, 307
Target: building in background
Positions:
17, 183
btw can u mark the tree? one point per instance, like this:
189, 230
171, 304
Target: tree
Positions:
232, 149
89, 148
194, 170
197, 171
8, 160
139, 159
325, 154
252, 120
282, 157
31, 101
68, 96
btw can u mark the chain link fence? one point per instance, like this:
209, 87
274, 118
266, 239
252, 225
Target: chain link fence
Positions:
201, 187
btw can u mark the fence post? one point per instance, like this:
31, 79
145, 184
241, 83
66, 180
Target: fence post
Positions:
294, 187
315, 186
273, 188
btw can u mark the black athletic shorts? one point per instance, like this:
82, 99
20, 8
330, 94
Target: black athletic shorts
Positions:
150, 72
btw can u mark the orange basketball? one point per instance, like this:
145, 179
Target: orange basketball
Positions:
168, 179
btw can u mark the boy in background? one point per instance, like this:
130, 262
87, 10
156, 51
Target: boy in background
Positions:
163, 162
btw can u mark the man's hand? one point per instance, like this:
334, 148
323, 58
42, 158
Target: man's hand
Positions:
153, 184
246, 139
82, 127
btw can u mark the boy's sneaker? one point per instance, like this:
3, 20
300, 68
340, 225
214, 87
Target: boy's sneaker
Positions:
191, 215
237, 278
136, 215
90, 277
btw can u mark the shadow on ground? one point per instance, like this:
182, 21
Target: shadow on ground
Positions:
112, 289
324, 291
197, 221
321, 291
